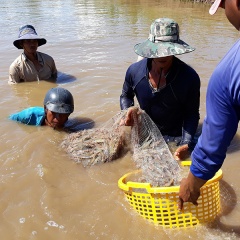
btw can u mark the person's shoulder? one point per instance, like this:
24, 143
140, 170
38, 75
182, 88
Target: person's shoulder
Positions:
137, 69
35, 110
32, 110
235, 51
184, 66
231, 60
45, 56
17, 61
21, 114
236, 46
139, 64
29, 116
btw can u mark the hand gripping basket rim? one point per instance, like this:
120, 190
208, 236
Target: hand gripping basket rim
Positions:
159, 204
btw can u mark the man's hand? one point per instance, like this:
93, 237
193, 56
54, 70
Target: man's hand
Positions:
190, 190
182, 152
129, 118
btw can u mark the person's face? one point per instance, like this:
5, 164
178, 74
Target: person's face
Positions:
55, 120
232, 12
30, 45
163, 62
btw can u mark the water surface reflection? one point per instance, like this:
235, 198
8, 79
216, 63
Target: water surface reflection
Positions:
44, 195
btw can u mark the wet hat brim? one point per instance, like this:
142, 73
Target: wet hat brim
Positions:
41, 41
60, 108
149, 49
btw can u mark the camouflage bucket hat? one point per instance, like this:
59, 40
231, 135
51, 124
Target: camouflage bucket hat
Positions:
163, 40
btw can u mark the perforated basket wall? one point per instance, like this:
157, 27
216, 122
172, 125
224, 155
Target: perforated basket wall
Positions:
160, 204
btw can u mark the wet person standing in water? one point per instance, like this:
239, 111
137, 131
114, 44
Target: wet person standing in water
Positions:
31, 65
58, 105
222, 114
166, 88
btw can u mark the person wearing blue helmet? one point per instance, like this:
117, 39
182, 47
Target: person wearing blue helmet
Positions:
58, 105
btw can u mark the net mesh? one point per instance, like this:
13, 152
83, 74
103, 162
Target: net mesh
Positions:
97, 145
150, 151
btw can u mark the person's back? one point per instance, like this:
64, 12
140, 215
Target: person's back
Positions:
29, 116
31, 65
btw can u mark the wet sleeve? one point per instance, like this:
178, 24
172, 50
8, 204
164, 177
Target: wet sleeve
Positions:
219, 127
54, 70
29, 116
127, 96
14, 74
192, 116
52, 66
22, 116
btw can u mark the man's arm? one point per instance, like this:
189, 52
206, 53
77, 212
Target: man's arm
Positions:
14, 74
127, 96
191, 111
191, 120
190, 190
54, 71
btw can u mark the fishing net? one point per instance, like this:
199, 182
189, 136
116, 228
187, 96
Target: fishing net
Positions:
151, 153
105, 144
97, 145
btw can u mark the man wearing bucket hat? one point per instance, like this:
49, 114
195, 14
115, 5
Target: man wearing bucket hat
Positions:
222, 114
58, 105
167, 89
31, 65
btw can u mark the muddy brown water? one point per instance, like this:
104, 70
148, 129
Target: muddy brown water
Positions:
45, 195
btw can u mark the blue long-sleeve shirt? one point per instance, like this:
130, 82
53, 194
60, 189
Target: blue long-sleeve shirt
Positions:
175, 108
222, 116
30, 116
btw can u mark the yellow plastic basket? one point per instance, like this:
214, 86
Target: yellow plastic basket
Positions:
160, 204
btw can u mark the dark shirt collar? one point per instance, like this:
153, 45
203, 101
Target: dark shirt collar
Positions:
172, 71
